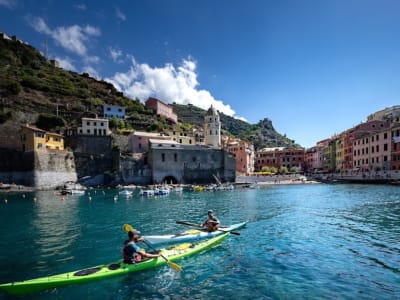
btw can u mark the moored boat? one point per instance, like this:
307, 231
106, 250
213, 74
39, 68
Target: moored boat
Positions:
191, 235
125, 193
109, 270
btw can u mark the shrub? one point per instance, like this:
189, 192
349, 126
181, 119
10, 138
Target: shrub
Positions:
49, 121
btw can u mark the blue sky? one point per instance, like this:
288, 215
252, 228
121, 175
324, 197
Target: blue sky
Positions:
313, 67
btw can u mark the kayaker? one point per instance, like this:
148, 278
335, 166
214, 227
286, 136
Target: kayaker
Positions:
212, 223
131, 252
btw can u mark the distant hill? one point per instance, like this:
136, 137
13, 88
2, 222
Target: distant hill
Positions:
262, 134
34, 90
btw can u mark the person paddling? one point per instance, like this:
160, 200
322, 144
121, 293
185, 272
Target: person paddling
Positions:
131, 252
212, 223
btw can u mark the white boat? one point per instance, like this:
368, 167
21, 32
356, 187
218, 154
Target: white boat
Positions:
178, 189
125, 193
190, 235
77, 192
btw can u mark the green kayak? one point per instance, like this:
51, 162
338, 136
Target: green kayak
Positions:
108, 270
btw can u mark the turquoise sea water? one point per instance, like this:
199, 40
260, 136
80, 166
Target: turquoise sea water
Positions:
301, 242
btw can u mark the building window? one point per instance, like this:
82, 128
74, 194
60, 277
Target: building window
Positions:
194, 158
385, 147
175, 157
162, 157
385, 136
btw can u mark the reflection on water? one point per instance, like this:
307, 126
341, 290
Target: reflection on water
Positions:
301, 242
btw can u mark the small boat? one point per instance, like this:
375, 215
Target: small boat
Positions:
162, 191
190, 235
146, 193
125, 193
72, 192
178, 189
198, 188
109, 270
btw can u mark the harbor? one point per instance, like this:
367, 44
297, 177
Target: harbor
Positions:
294, 245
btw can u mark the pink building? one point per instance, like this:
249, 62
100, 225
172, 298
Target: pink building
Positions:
372, 146
280, 157
139, 141
243, 152
161, 109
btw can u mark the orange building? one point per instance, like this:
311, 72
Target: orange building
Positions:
243, 152
34, 139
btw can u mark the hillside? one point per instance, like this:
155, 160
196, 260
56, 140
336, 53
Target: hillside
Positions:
34, 90
262, 134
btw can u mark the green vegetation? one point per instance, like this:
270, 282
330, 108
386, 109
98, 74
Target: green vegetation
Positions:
269, 170
49, 122
31, 84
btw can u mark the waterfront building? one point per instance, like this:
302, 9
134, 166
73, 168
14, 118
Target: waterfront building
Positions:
172, 162
328, 156
243, 151
267, 157
212, 128
161, 109
139, 140
348, 137
395, 153
313, 159
339, 153
372, 146
94, 126
36, 139
280, 157
113, 111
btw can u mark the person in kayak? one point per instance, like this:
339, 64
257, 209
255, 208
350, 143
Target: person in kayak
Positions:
212, 223
131, 252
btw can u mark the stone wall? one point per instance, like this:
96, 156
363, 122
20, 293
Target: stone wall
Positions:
134, 170
42, 169
191, 164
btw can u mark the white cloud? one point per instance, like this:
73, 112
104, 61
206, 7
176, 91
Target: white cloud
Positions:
120, 15
74, 38
169, 84
91, 71
8, 3
116, 55
66, 63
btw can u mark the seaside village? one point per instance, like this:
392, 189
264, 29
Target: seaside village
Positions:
369, 151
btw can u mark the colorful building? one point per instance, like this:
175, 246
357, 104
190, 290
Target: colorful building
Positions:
36, 139
113, 111
161, 109
243, 152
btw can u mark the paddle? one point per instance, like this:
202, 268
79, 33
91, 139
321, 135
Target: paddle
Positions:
175, 266
197, 225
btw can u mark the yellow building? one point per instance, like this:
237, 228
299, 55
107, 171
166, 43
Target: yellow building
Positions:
37, 139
